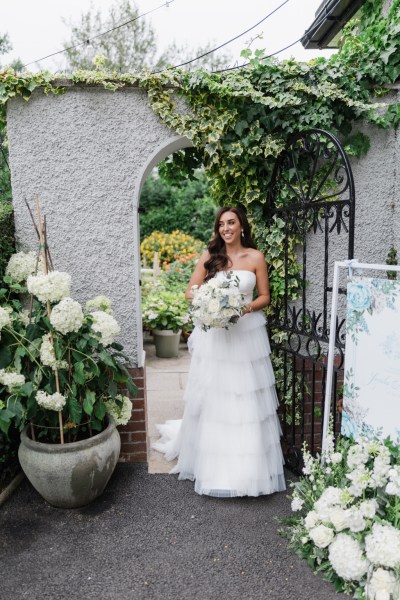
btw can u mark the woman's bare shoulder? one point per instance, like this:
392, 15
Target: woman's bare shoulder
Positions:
204, 257
256, 255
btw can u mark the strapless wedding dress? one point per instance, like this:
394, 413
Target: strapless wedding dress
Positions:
228, 441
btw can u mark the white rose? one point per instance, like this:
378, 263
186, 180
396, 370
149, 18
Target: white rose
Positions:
322, 536
213, 306
339, 518
311, 519
382, 586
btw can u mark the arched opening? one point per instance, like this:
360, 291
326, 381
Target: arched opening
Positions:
165, 378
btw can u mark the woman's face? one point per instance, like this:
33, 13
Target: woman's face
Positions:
229, 227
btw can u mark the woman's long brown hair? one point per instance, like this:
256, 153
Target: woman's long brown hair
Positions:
219, 260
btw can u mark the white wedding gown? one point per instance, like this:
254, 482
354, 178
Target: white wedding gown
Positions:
229, 438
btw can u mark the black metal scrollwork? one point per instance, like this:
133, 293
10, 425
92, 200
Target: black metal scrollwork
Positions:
312, 190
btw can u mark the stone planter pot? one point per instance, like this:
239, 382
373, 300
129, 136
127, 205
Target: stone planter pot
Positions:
167, 343
71, 475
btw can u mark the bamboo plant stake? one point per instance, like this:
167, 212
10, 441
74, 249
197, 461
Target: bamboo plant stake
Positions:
43, 248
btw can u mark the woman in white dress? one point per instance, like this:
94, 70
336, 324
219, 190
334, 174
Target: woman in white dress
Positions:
228, 441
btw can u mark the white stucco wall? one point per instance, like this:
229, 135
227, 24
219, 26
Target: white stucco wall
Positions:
87, 153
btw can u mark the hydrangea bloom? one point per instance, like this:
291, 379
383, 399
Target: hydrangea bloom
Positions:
47, 355
297, 504
346, 558
12, 380
5, 317
67, 316
106, 326
54, 401
383, 545
100, 303
21, 265
321, 535
52, 287
329, 498
120, 415
382, 586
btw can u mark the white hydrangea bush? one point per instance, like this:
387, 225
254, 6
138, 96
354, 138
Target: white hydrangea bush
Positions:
61, 366
346, 516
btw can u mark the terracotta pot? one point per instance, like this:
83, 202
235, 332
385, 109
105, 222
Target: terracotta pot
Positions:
71, 475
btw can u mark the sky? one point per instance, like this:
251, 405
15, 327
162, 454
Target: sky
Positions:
36, 27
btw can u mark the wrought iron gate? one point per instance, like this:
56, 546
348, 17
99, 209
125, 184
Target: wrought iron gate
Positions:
312, 192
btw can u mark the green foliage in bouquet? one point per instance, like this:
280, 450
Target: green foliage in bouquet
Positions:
58, 364
165, 309
346, 520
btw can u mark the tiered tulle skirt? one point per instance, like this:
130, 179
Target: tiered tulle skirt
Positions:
229, 438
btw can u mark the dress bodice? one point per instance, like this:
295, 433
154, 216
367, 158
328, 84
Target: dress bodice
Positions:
247, 281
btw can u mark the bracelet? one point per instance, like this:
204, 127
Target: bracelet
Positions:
249, 308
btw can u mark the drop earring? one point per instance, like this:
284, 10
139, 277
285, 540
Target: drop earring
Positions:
242, 233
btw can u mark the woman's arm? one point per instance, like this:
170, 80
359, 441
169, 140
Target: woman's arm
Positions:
262, 282
199, 275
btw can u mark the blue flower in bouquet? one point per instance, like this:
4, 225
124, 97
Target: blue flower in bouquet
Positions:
358, 297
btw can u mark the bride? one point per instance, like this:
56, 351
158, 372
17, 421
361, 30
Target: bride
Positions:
228, 441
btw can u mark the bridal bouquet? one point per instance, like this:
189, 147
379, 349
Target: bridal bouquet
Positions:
217, 303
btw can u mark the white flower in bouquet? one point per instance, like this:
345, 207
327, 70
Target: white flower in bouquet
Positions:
381, 468
5, 317
368, 508
336, 458
309, 462
382, 585
346, 558
121, 414
360, 479
311, 519
52, 287
329, 498
382, 545
21, 265
67, 316
322, 536
356, 520
11, 379
47, 355
106, 326
217, 303
297, 504
339, 517
393, 486
100, 303
357, 456
54, 401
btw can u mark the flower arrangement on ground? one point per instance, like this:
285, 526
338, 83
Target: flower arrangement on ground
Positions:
217, 303
164, 309
347, 521
60, 367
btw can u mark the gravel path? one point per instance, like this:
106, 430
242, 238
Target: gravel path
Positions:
151, 537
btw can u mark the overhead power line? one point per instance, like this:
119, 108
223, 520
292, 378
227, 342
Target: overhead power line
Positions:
166, 4
310, 31
188, 62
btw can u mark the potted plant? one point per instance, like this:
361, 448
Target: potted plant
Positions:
165, 312
61, 374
